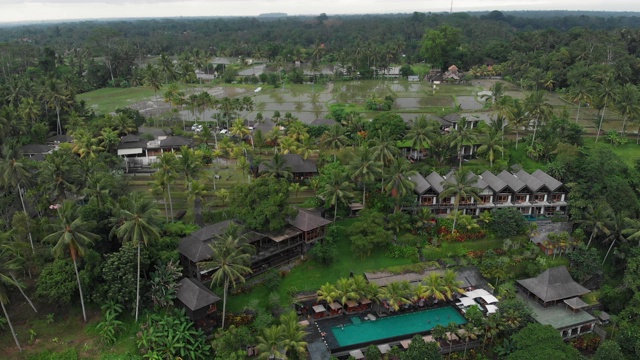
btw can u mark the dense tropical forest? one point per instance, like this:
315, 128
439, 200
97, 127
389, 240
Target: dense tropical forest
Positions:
89, 245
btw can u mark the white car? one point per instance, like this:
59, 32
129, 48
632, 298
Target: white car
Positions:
196, 128
224, 131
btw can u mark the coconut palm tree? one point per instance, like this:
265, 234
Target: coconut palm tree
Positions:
328, 293
197, 190
421, 133
337, 190
517, 117
73, 234
451, 283
15, 173
334, 139
489, 144
271, 344
460, 186
616, 227
462, 135
167, 164
277, 168
399, 183
9, 262
189, 164
138, 223
627, 98
605, 92
471, 332
230, 259
538, 110
293, 335
434, 287
597, 217
632, 229
395, 294
580, 93
345, 291
364, 168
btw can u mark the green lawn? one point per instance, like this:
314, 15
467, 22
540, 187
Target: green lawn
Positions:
629, 152
108, 99
309, 276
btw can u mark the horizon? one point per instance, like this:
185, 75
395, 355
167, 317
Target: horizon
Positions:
17, 12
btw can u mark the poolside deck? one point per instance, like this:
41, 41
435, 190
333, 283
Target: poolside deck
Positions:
418, 322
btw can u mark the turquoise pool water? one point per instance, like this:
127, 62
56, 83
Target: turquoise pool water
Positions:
397, 325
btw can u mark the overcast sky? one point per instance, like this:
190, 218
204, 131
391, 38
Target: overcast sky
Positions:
15, 10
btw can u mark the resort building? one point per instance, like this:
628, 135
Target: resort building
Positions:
535, 194
554, 298
271, 249
199, 303
300, 168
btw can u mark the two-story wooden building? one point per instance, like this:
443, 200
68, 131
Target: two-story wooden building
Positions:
533, 194
271, 249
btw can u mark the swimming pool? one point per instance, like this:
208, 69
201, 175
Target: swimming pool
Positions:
397, 325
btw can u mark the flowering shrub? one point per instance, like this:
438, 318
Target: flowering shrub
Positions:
587, 343
480, 253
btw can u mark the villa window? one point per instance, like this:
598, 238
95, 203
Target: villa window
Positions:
485, 199
521, 198
556, 197
538, 198
502, 199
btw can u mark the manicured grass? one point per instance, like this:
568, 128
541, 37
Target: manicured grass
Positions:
629, 152
310, 275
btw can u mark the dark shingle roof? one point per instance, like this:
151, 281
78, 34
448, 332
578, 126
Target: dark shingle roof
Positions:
532, 183
421, 184
549, 181
175, 141
554, 284
323, 122
265, 126
478, 184
132, 142
36, 149
307, 221
296, 163
196, 245
493, 181
513, 182
194, 295
435, 180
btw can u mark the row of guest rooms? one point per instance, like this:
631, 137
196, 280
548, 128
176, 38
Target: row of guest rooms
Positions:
532, 194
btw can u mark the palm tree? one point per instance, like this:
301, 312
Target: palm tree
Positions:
337, 190
399, 182
359, 285
627, 98
460, 186
152, 77
395, 295
9, 262
434, 287
345, 291
421, 133
334, 139
497, 92
517, 117
230, 259
73, 234
14, 172
138, 224
167, 67
364, 168
580, 93
328, 293
277, 168
597, 219
451, 283
167, 163
471, 332
197, 191
293, 335
489, 144
271, 343
605, 93
632, 229
189, 164
58, 98
462, 135
616, 227
538, 109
